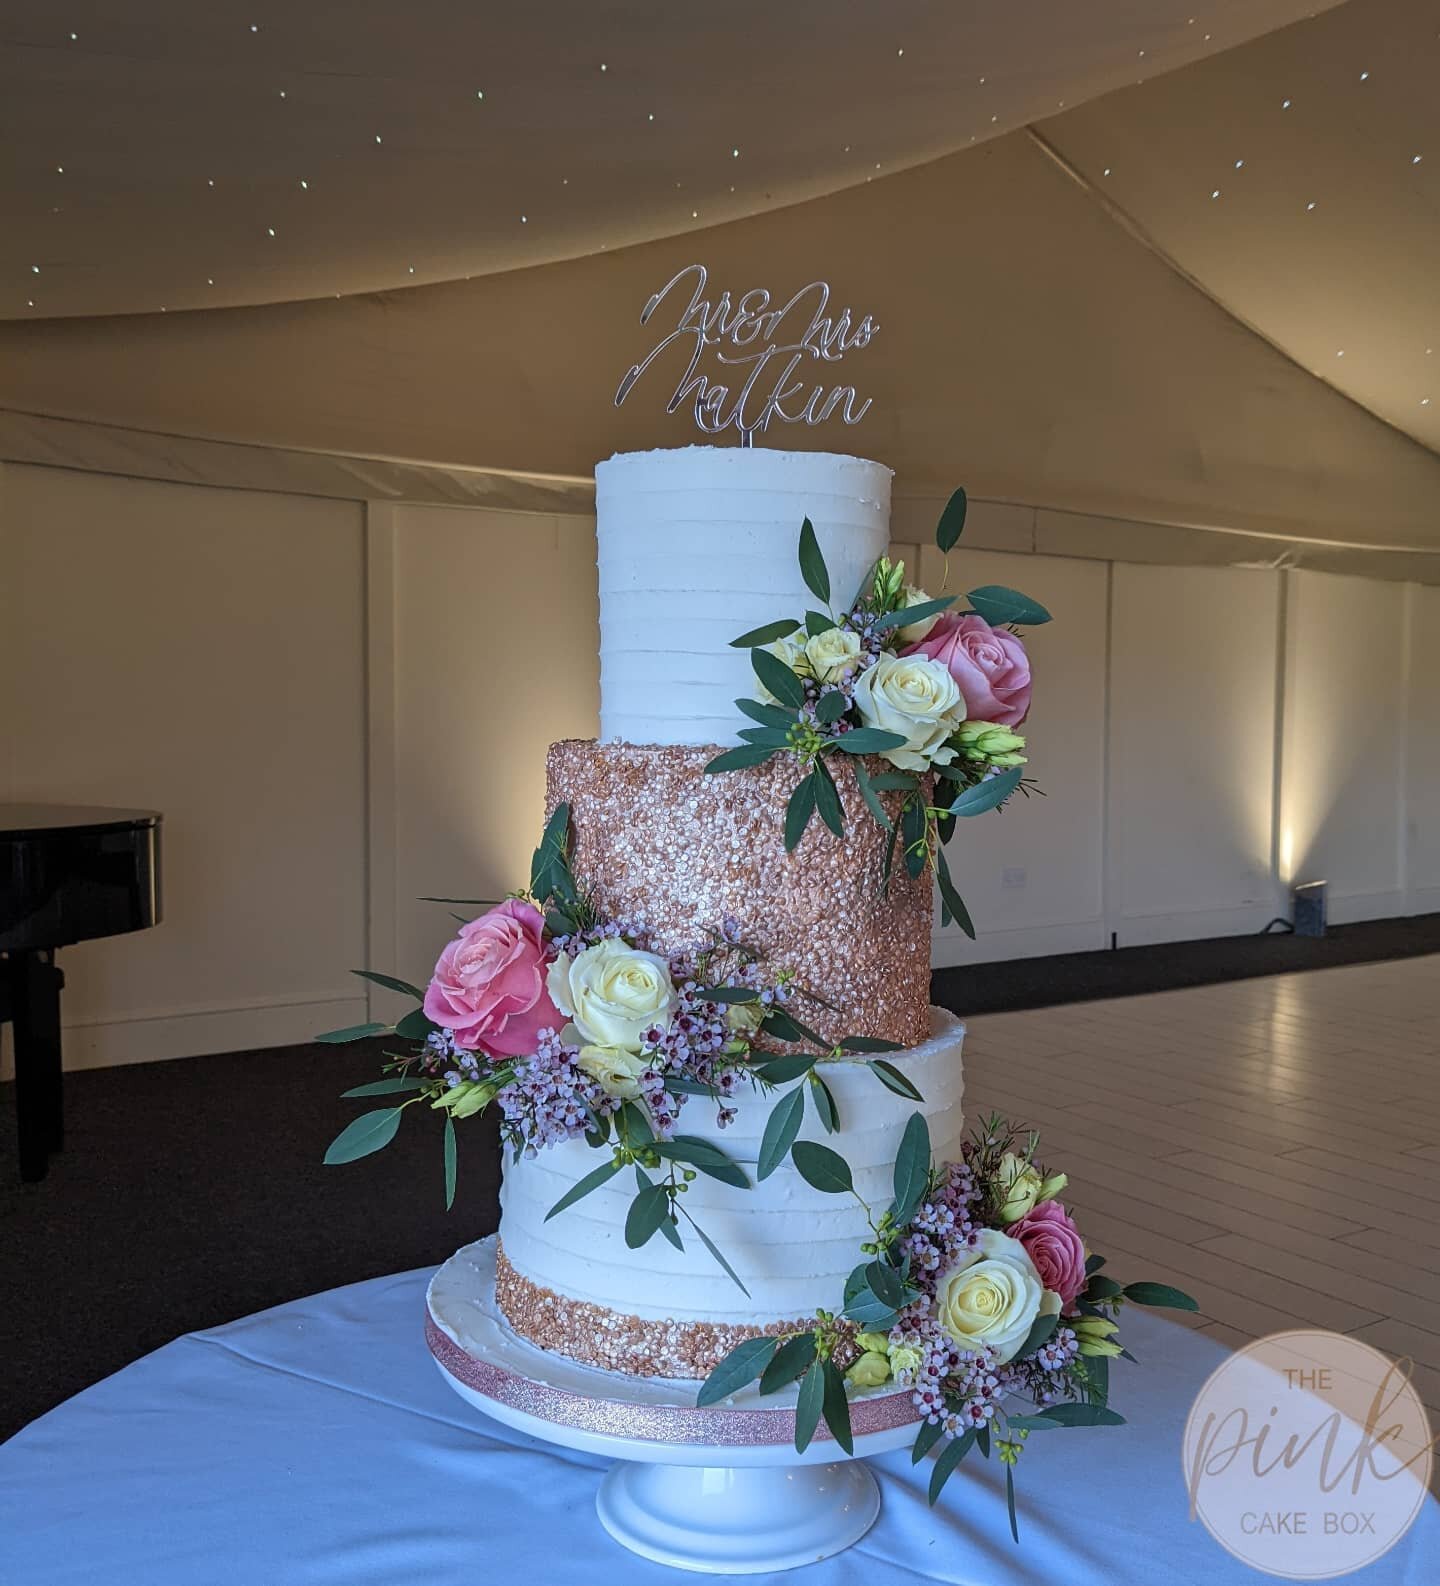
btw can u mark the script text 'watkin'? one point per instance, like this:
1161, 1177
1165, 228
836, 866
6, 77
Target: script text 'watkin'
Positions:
765, 344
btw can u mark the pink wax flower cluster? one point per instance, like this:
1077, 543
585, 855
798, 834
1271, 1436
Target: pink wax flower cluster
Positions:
489, 989
989, 666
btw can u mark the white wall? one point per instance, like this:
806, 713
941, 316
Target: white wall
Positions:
341, 709
200, 652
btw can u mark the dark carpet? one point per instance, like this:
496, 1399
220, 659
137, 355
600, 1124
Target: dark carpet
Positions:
192, 1192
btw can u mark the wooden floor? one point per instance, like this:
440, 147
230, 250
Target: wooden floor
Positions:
1272, 1146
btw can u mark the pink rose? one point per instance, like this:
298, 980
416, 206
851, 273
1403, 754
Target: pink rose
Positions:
1053, 1243
489, 985
989, 664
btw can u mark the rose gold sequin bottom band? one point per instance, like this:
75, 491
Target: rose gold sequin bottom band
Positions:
598, 1336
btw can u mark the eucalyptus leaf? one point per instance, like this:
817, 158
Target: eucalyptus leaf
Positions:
402, 986
415, 1026
1093, 1263
781, 1070
999, 605
354, 1032
648, 1210
717, 1256
1082, 1415
671, 1230
889, 780
812, 563
987, 794
892, 1079
916, 613
764, 737
825, 1104
778, 678
632, 1126
768, 634
913, 834
926, 1438
743, 1364
809, 1405
818, 622
867, 740
384, 1087
579, 1190
1155, 1294
1031, 1423
831, 707
1010, 1501
912, 1169
952, 521
952, 905
867, 1043
871, 797
781, 1129
799, 810
766, 715
1099, 1287
836, 1407
739, 759
729, 994
827, 799
950, 1456
362, 1135
700, 1154
450, 1161
792, 1357
822, 1168
886, 1284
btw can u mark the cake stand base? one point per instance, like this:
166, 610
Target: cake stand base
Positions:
725, 1521
719, 1490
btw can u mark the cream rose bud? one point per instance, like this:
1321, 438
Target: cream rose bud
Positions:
916, 697
1017, 1187
790, 650
914, 632
617, 1073
832, 653
992, 1295
870, 1370
613, 993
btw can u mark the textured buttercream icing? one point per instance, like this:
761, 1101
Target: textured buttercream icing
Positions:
697, 545
791, 1245
655, 837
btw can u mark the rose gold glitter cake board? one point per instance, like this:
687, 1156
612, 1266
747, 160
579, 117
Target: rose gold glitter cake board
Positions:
499, 1371
656, 837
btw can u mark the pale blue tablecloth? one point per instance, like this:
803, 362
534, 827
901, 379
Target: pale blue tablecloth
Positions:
317, 1445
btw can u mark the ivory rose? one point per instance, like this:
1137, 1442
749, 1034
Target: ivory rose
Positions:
992, 1295
1054, 1244
791, 651
832, 653
917, 698
613, 992
914, 632
616, 1072
488, 988
989, 665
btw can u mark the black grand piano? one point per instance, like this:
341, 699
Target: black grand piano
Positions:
67, 874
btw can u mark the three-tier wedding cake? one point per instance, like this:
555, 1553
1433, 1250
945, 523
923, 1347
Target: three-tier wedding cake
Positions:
696, 546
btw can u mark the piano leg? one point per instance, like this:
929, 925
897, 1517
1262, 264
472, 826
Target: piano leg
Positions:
35, 985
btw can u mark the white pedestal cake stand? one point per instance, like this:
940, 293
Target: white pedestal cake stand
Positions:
720, 1490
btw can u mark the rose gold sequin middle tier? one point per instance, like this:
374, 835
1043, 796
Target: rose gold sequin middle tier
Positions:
656, 837
598, 1336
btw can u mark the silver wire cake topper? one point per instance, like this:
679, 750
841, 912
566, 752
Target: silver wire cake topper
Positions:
769, 345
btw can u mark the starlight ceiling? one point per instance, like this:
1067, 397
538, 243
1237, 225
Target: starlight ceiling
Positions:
168, 155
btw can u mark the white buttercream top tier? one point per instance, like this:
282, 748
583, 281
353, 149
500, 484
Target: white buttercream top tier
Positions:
698, 544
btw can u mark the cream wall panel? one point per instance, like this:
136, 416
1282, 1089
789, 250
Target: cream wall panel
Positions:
198, 651
1192, 748
1422, 759
1033, 876
1344, 751
496, 654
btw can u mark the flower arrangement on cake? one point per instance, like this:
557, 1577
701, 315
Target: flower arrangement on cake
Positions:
576, 1027
935, 690
977, 1294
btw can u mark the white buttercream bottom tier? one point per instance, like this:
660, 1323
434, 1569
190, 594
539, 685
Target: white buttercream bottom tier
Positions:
791, 1245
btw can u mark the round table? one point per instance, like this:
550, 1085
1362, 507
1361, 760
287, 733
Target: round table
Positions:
317, 1445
